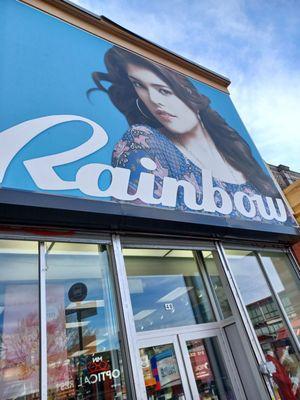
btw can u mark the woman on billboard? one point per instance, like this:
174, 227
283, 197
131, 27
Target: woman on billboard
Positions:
174, 125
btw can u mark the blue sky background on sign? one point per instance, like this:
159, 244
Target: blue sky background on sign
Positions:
54, 72
254, 43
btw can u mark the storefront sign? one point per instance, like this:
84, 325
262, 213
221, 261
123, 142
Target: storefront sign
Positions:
42, 171
99, 370
99, 377
94, 121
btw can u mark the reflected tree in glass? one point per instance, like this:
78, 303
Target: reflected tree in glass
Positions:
19, 320
84, 356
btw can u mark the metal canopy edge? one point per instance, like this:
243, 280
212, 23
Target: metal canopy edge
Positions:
21, 207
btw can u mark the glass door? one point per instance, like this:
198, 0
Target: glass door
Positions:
174, 292
163, 369
187, 366
207, 366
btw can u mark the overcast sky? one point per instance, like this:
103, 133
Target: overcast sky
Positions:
255, 44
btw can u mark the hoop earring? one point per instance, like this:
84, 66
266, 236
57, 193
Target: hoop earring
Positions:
139, 108
200, 119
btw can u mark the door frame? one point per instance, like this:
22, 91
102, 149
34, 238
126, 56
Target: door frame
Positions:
177, 337
225, 354
133, 242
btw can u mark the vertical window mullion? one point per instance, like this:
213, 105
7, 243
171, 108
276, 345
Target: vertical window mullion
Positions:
279, 302
202, 270
245, 317
294, 263
127, 317
240, 304
43, 321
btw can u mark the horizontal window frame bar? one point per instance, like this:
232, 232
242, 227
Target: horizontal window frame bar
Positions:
52, 238
162, 243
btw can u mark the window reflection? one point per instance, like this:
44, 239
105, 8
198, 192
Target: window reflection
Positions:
19, 321
209, 370
270, 329
84, 358
211, 261
166, 289
285, 283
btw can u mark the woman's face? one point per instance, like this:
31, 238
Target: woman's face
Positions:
161, 101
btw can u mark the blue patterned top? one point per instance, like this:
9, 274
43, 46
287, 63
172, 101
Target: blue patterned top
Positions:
144, 141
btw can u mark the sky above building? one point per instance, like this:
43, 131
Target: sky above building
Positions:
255, 44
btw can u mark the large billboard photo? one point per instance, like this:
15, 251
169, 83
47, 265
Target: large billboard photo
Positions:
85, 118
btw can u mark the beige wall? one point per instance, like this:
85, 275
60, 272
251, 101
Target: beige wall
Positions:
292, 193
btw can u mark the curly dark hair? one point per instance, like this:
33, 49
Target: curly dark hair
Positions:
234, 149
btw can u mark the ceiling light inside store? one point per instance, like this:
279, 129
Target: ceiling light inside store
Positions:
78, 353
207, 254
158, 253
70, 325
174, 294
143, 314
96, 342
144, 252
180, 254
85, 304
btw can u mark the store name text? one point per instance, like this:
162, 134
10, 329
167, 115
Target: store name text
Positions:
42, 171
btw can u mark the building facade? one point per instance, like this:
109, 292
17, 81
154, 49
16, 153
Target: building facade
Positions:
289, 181
283, 175
145, 251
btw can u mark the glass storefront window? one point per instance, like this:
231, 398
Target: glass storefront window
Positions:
84, 357
285, 283
268, 324
19, 320
211, 262
166, 289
